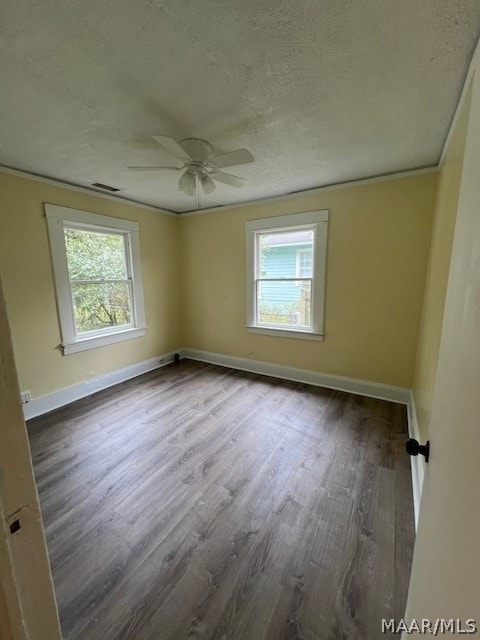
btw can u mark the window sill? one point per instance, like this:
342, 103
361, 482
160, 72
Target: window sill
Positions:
100, 341
286, 333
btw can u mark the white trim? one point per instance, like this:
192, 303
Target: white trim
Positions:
58, 212
84, 344
395, 175
282, 223
59, 217
91, 191
298, 261
461, 100
339, 383
316, 221
60, 278
401, 395
133, 240
417, 463
285, 333
62, 397
382, 177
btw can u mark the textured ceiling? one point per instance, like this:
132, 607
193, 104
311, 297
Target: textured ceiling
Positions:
319, 91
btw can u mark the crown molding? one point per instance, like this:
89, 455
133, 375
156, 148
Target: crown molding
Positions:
330, 187
88, 190
296, 194
287, 196
466, 84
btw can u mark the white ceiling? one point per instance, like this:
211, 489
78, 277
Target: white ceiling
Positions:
320, 91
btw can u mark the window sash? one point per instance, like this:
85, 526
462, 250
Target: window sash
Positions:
128, 280
301, 253
284, 231
292, 327
101, 281
108, 232
283, 279
316, 221
296, 280
111, 328
60, 218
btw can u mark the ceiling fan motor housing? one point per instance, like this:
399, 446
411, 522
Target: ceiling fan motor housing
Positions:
198, 150
199, 166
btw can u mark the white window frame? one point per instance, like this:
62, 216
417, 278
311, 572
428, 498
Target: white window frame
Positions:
316, 220
59, 218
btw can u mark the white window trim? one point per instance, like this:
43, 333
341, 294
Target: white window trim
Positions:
57, 218
316, 219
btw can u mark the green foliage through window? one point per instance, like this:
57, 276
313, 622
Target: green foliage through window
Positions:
101, 289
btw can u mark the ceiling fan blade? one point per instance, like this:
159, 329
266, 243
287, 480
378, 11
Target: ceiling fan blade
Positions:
153, 168
228, 178
172, 147
240, 156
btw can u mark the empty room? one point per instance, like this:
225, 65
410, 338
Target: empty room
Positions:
240, 319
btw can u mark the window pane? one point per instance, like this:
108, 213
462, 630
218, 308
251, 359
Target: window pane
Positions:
305, 263
277, 253
97, 306
284, 303
95, 256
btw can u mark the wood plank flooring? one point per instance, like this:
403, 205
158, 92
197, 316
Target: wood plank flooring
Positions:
205, 503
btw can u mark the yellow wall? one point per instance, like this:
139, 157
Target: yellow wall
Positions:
446, 562
26, 272
194, 281
378, 245
438, 269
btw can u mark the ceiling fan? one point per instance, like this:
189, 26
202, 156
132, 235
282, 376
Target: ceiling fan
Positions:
200, 167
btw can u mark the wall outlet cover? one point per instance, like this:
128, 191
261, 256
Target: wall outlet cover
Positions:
25, 396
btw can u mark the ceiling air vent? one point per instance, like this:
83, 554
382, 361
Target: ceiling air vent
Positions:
107, 187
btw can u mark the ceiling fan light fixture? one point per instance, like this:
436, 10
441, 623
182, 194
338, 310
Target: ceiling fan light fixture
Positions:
207, 184
187, 183
198, 165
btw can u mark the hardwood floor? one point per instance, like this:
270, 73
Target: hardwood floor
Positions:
202, 502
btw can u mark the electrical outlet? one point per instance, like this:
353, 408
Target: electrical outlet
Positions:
25, 396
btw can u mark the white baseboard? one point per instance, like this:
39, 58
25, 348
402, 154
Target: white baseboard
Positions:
62, 397
351, 385
44, 404
417, 462
339, 383
56, 399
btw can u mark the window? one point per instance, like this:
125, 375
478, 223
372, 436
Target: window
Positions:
304, 263
98, 279
286, 275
